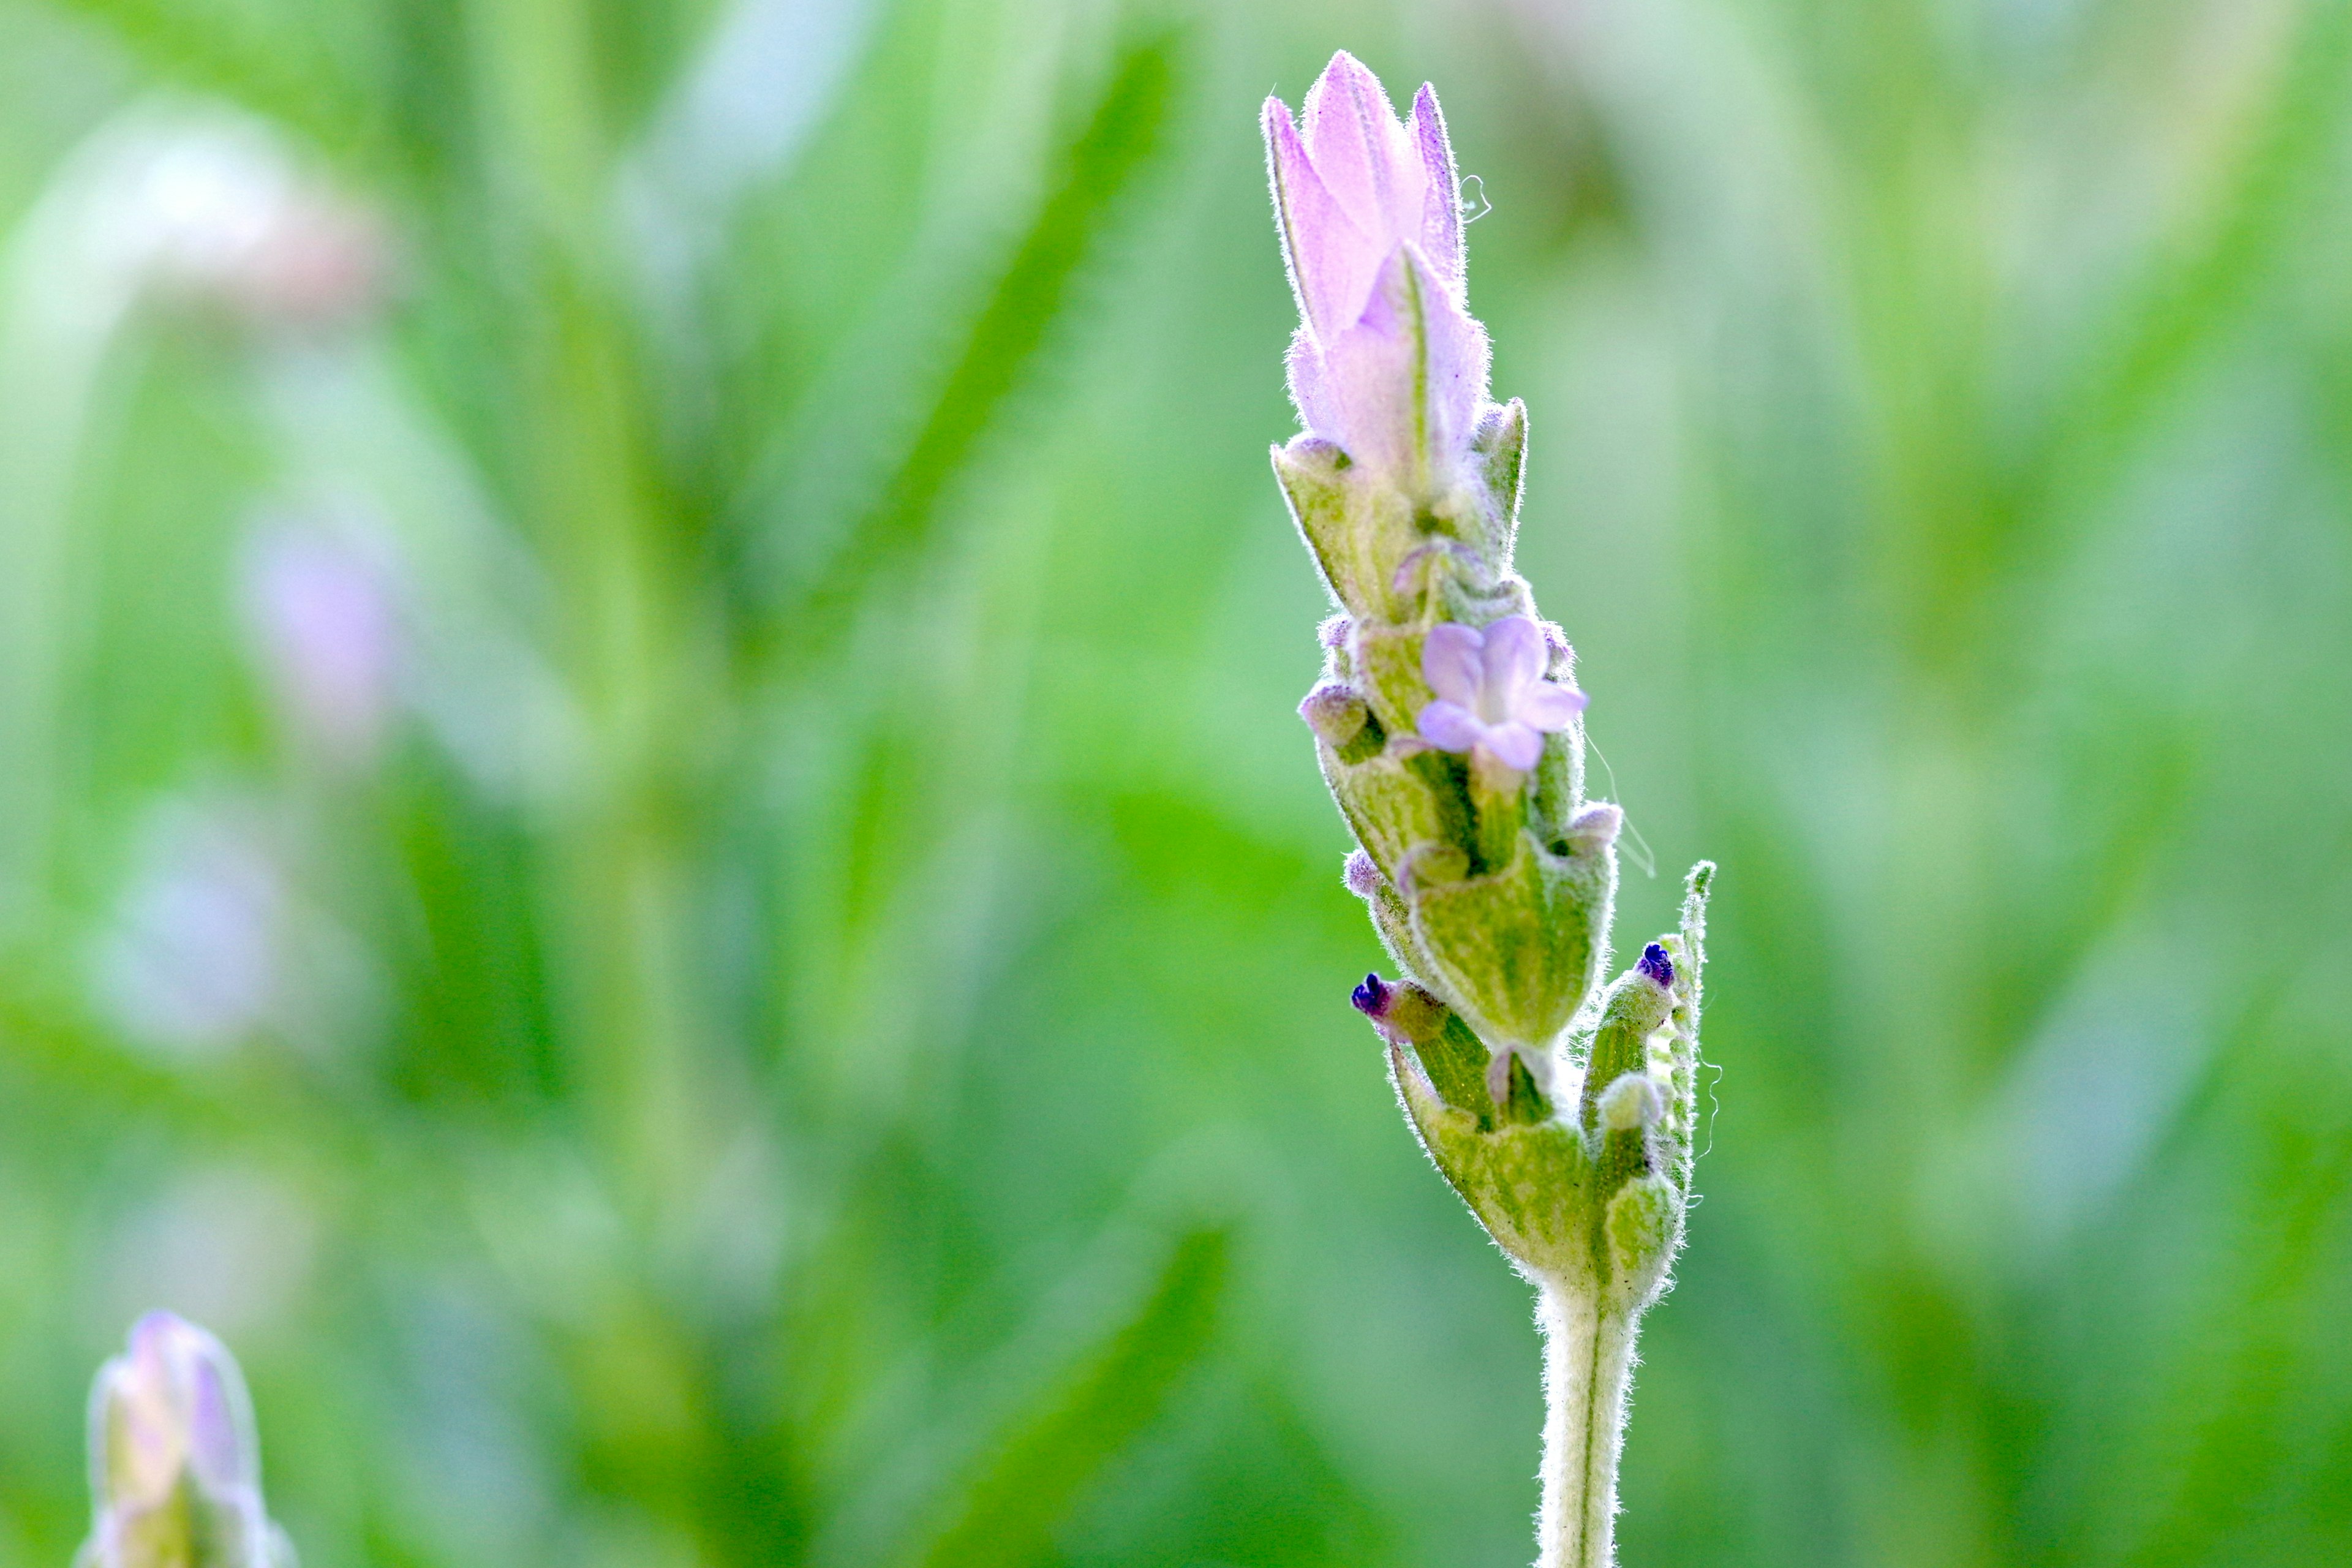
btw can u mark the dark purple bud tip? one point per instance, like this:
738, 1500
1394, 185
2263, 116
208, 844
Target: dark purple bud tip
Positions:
1657, 965
1371, 998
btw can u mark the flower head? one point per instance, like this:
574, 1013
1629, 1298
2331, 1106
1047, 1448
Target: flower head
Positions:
1388, 364
176, 1471
1491, 693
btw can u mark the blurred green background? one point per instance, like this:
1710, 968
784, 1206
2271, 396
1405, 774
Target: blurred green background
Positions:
652, 844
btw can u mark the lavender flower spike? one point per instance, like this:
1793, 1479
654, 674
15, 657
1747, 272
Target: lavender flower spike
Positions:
1491, 693
1388, 365
176, 1471
1558, 1108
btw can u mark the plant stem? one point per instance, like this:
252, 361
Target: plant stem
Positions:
1588, 1367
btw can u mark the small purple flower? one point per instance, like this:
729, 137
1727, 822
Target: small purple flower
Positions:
1371, 998
1388, 364
175, 1404
1491, 693
324, 621
1657, 967
194, 958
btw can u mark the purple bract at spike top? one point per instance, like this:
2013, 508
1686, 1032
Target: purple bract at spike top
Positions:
1491, 693
1388, 364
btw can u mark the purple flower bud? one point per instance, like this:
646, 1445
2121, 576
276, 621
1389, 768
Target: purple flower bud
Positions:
1334, 713
194, 960
1388, 363
176, 1471
1657, 966
1362, 877
1491, 693
1597, 823
1371, 998
324, 624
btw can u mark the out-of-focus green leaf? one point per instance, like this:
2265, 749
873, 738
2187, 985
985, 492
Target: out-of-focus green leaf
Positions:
2198, 292
1099, 165
1042, 1462
278, 66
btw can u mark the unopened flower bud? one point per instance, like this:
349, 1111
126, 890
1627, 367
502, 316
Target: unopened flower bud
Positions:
175, 1468
1400, 1010
1631, 1103
1334, 713
1597, 824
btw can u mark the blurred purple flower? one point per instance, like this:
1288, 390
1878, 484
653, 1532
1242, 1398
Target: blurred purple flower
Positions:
1491, 693
1388, 364
321, 616
176, 1471
192, 961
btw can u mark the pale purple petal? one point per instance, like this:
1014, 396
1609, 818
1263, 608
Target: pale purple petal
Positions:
1456, 364
216, 1444
1372, 370
1515, 656
1333, 262
1362, 152
1413, 338
1449, 726
1550, 706
1310, 390
1372, 235
1440, 208
1450, 662
1513, 744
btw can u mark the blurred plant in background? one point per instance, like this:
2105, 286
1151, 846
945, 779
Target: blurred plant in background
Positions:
174, 1462
649, 846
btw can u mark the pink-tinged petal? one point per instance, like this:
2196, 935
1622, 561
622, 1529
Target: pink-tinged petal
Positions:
1410, 376
1310, 389
216, 1441
1515, 656
1331, 260
1550, 706
1450, 662
1456, 365
1362, 152
1371, 372
1449, 726
1440, 204
1514, 745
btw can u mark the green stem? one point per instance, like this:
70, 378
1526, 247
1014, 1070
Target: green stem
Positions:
1588, 1367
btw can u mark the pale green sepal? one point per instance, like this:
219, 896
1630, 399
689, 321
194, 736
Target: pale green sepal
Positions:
1633, 1009
1528, 1184
1498, 457
1519, 947
1360, 532
1388, 670
1394, 923
1392, 805
1644, 1229
1311, 474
